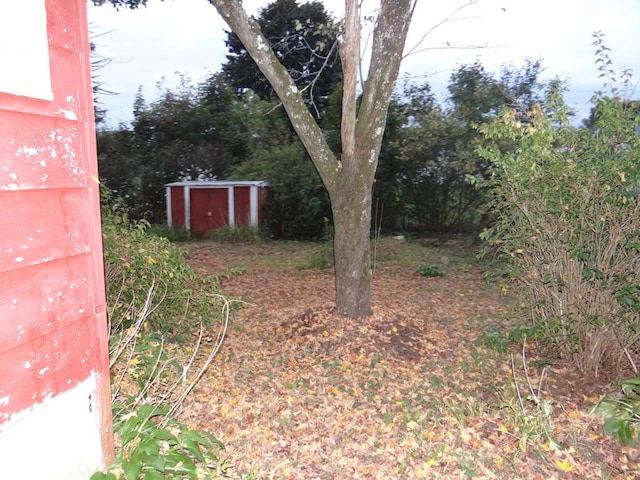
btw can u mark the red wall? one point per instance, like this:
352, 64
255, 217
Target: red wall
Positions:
53, 324
177, 207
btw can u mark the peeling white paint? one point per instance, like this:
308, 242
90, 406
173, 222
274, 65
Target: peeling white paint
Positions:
19, 259
27, 364
68, 114
5, 400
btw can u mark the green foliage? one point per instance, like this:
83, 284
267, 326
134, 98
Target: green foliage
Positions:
298, 200
191, 132
240, 233
154, 298
154, 446
323, 257
426, 162
304, 38
173, 234
142, 270
567, 217
622, 412
429, 270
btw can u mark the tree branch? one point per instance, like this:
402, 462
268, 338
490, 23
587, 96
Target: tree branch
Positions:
449, 18
250, 34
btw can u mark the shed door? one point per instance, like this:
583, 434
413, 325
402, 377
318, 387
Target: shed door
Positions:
209, 209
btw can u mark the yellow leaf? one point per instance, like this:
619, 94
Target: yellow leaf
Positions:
564, 465
411, 425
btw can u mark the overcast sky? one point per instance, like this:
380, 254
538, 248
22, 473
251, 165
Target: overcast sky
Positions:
187, 36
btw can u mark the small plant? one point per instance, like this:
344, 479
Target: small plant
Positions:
429, 270
622, 412
239, 233
494, 339
155, 446
532, 423
173, 234
323, 257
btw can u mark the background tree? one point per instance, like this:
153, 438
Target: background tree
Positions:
298, 201
303, 38
188, 133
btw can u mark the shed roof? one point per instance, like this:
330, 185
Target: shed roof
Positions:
218, 183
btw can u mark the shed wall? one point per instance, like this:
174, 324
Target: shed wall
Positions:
55, 419
177, 206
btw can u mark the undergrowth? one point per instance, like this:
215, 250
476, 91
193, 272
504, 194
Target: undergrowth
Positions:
166, 326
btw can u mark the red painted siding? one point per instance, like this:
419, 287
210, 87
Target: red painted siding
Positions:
177, 207
242, 197
53, 325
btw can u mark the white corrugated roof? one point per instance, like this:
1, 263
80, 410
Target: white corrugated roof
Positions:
218, 183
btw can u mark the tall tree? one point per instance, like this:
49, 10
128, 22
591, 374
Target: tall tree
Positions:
348, 177
303, 37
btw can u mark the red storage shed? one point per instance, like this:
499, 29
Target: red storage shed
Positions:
55, 411
202, 206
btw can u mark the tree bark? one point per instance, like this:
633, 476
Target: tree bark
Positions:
349, 180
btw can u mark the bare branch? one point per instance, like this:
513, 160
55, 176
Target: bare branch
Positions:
451, 17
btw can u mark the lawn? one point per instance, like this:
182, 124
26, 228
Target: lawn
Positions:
424, 388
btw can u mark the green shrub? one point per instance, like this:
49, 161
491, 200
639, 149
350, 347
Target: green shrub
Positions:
174, 234
153, 299
622, 412
567, 217
241, 233
156, 447
144, 270
429, 270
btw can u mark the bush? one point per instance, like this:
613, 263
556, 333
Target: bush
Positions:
154, 297
144, 270
242, 233
429, 270
567, 216
622, 412
174, 234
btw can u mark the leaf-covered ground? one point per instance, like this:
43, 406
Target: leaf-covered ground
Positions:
299, 392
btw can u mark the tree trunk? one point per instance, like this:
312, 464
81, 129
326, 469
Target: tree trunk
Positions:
351, 206
349, 180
